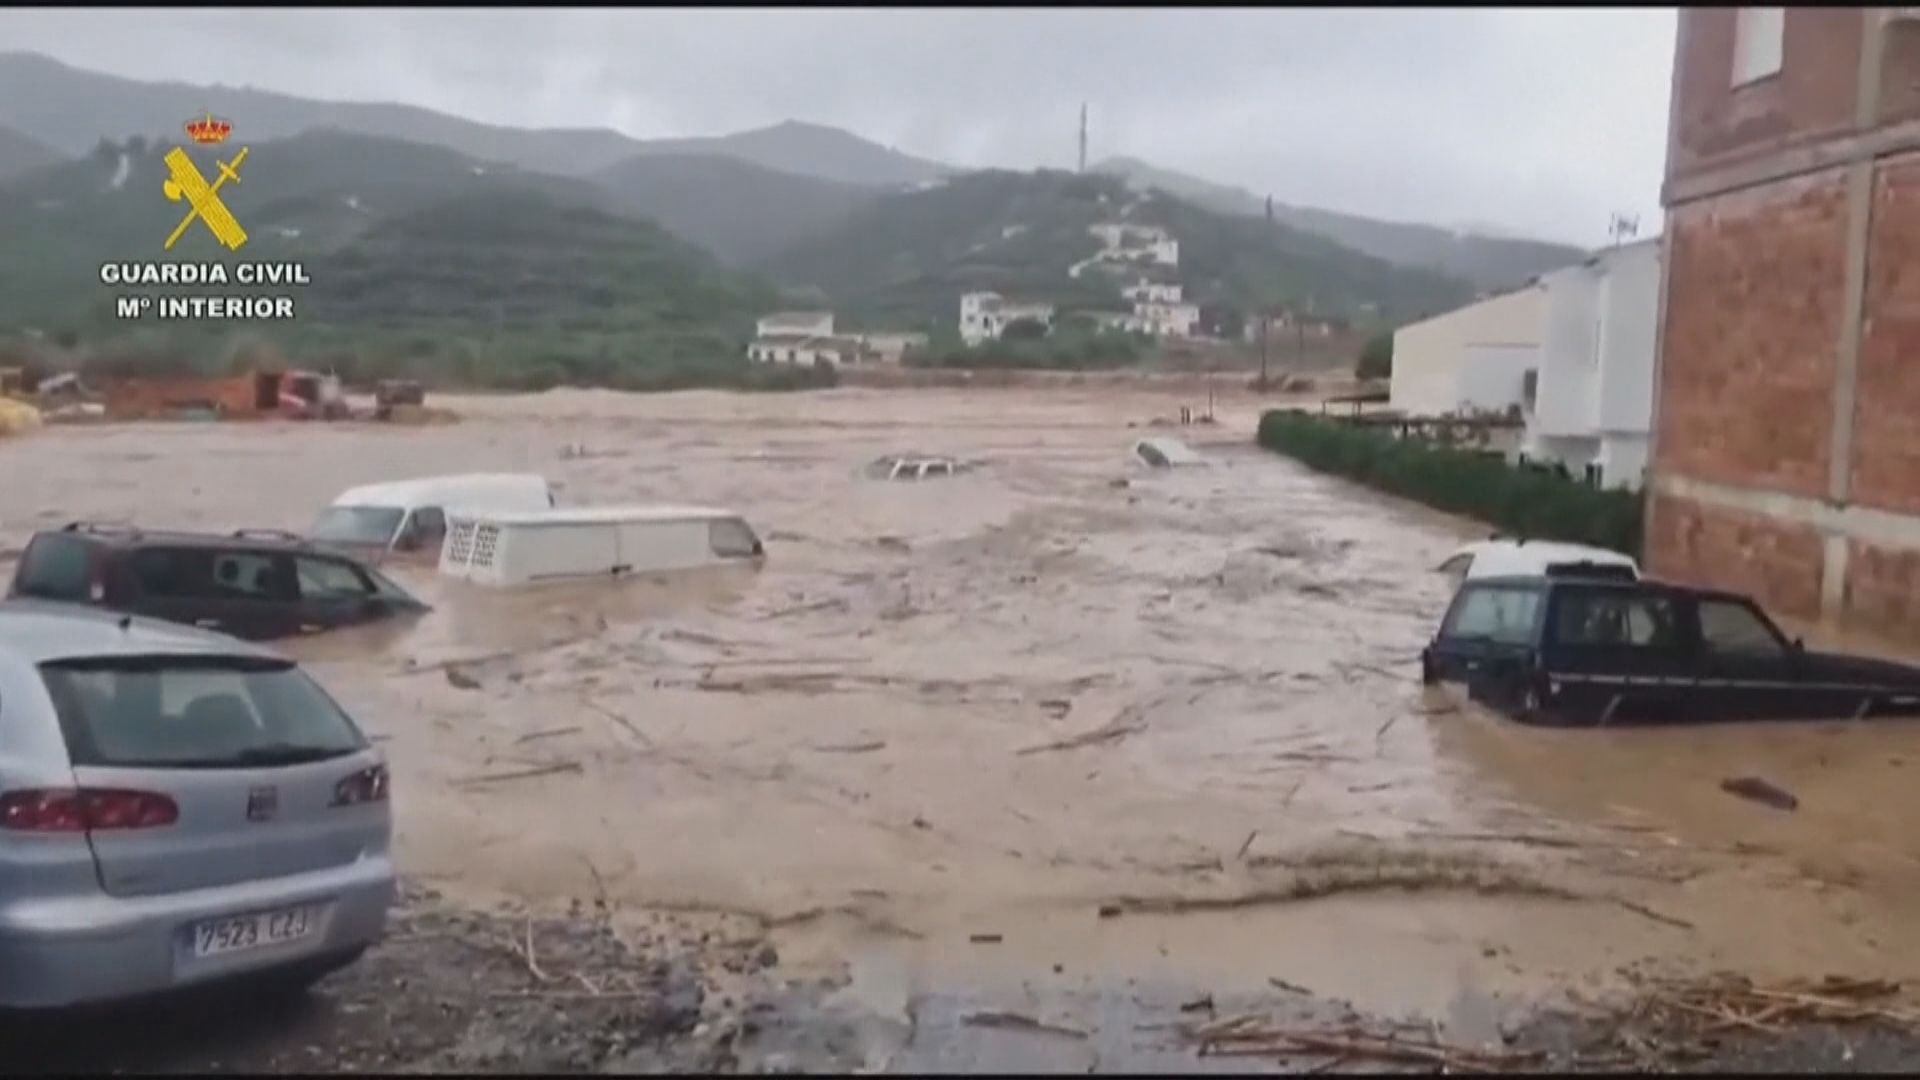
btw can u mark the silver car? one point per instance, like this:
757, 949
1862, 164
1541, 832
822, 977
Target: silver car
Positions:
176, 807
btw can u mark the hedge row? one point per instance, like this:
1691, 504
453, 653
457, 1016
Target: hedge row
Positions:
1518, 501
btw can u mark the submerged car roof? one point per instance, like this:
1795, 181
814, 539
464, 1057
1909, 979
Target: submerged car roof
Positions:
40, 630
1502, 557
1548, 581
409, 492
596, 515
134, 536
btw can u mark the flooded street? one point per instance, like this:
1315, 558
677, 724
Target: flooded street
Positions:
1030, 734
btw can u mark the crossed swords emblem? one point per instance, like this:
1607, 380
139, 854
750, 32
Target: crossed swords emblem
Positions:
188, 184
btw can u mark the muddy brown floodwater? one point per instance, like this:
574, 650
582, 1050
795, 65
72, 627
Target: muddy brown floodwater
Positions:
1030, 727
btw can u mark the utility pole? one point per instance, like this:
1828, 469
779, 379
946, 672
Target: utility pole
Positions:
1083, 136
1265, 319
1300, 339
1265, 312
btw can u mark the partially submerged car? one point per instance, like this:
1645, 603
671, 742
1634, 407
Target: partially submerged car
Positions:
253, 584
409, 517
576, 543
176, 808
1568, 648
1499, 556
1164, 453
915, 467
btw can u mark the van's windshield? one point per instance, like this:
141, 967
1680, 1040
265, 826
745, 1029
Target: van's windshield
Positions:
357, 524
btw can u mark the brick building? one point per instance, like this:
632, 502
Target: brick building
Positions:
1786, 433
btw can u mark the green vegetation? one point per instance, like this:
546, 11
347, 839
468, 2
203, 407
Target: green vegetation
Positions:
905, 259
1069, 348
1523, 502
494, 286
1253, 265
1376, 357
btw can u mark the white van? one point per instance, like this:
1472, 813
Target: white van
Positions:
587, 542
411, 515
1503, 557
1165, 453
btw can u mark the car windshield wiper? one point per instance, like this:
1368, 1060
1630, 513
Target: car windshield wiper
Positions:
258, 756
288, 754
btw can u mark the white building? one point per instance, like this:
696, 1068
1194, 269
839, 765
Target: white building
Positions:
1161, 319
891, 348
1152, 292
805, 323
984, 315
805, 349
1124, 242
1473, 359
1593, 396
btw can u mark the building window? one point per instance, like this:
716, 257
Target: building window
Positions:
1759, 43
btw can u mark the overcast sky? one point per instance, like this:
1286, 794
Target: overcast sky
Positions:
1539, 121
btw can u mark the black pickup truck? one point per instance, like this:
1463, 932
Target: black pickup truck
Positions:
1578, 650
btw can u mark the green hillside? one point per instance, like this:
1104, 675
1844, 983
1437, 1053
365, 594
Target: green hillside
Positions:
1489, 262
512, 287
906, 258
739, 211
20, 153
296, 198
423, 263
1248, 263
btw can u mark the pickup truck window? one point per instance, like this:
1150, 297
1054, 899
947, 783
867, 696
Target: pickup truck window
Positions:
204, 574
1501, 614
55, 567
325, 579
1735, 630
1616, 618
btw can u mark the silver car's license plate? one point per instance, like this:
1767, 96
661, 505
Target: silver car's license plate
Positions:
242, 932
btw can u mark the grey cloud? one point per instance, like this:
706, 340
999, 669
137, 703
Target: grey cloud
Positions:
1539, 120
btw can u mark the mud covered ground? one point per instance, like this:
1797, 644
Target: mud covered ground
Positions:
1064, 738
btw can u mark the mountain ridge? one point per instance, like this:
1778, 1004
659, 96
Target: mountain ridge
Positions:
113, 106
22, 153
71, 108
1489, 262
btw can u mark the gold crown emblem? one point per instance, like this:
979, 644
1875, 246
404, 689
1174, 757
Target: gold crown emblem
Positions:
208, 130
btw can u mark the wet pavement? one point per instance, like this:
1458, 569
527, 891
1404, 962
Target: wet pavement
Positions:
1063, 736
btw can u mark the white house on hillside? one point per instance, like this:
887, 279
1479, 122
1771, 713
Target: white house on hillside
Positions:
983, 315
1593, 398
1165, 319
1152, 292
1475, 358
806, 323
802, 337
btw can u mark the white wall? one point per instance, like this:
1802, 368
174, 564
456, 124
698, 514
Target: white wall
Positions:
1594, 400
1429, 356
1627, 342
1493, 377
809, 323
1623, 460
1565, 396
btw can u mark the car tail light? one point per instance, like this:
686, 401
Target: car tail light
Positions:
367, 785
78, 810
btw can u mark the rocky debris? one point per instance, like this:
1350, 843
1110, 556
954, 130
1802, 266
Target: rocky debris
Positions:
1761, 791
449, 990
1731, 1022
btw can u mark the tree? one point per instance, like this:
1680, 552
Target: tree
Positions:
1376, 358
1024, 330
